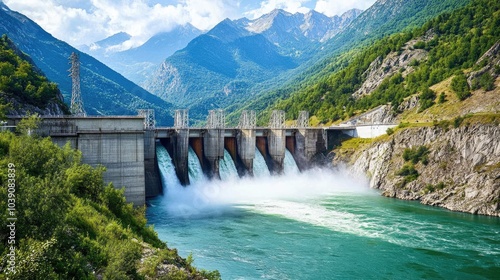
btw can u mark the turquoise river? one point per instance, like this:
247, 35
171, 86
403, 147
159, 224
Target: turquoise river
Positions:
319, 224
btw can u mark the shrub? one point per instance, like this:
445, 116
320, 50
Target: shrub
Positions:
458, 121
389, 131
442, 98
426, 99
409, 172
486, 81
429, 188
460, 86
416, 155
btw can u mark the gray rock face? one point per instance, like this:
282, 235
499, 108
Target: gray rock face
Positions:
492, 58
466, 160
382, 114
394, 62
18, 108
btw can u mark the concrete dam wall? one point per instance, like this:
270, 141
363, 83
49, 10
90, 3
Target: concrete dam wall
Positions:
118, 143
127, 148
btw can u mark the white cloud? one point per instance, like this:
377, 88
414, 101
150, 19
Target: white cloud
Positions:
291, 6
97, 19
338, 7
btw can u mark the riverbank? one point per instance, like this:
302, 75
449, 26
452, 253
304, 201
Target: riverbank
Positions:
452, 164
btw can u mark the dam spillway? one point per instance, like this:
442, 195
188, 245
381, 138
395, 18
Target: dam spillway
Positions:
212, 145
126, 146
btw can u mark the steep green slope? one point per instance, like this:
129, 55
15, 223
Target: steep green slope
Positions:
458, 40
383, 18
23, 85
69, 225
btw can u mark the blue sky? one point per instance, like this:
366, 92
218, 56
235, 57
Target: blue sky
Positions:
80, 22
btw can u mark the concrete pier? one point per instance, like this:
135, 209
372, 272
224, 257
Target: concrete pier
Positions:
180, 151
246, 141
276, 143
213, 150
151, 169
307, 144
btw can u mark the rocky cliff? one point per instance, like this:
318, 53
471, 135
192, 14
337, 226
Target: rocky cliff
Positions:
459, 168
19, 107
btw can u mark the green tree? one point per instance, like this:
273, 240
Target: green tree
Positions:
460, 86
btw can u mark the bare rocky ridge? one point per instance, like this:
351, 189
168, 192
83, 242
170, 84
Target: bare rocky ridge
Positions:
492, 58
466, 159
21, 108
394, 62
384, 114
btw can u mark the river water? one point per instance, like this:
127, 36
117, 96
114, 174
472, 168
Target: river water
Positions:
318, 224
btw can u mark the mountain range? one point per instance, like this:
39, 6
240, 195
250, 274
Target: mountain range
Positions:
383, 18
104, 91
239, 64
220, 67
137, 64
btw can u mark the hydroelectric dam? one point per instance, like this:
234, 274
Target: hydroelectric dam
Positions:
126, 145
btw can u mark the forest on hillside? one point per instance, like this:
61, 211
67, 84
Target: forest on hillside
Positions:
459, 40
21, 80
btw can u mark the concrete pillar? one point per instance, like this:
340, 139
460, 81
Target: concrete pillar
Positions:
308, 144
180, 152
246, 149
296, 145
213, 149
276, 142
151, 169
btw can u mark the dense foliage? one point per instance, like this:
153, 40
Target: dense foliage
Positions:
19, 79
70, 225
459, 39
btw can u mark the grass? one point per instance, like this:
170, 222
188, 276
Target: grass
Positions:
480, 102
355, 143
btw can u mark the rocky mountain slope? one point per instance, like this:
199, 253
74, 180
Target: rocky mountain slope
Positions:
447, 155
461, 171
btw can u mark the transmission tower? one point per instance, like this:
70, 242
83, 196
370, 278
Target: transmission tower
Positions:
149, 118
216, 119
303, 119
76, 93
181, 119
277, 119
247, 119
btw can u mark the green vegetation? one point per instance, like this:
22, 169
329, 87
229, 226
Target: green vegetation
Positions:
459, 39
427, 98
389, 131
442, 98
429, 188
414, 156
20, 80
70, 225
484, 81
460, 86
409, 173
417, 155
